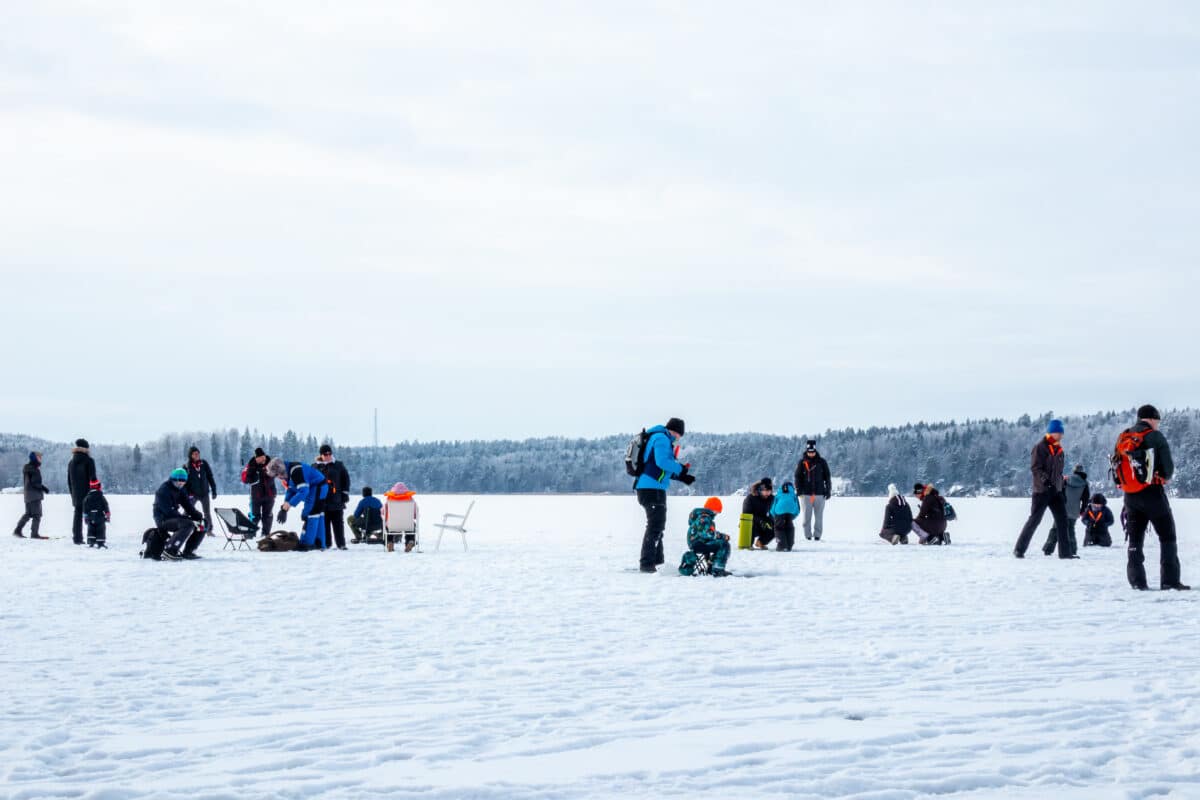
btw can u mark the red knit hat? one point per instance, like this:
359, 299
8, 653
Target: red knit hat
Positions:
94, 485
713, 504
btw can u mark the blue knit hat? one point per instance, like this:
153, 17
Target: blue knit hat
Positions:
34, 455
1055, 426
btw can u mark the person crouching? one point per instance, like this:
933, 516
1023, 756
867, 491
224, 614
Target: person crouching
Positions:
897, 518
705, 540
305, 485
1097, 519
186, 529
930, 524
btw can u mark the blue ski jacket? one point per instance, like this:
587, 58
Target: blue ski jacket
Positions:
660, 461
368, 502
305, 485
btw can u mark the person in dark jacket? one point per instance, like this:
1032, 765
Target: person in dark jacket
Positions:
930, 523
1148, 506
758, 504
175, 514
661, 467
1097, 518
1076, 494
368, 513
96, 515
813, 486
339, 494
34, 492
200, 483
784, 511
81, 471
262, 490
897, 517
1046, 465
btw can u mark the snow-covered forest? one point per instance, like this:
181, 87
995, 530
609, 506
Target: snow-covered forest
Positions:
972, 457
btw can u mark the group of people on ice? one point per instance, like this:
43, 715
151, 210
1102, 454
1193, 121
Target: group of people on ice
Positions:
87, 498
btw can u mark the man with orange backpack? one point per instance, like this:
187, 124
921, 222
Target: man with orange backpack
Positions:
1141, 468
1046, 464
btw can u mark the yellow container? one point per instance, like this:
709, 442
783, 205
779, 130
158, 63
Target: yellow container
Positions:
745, 531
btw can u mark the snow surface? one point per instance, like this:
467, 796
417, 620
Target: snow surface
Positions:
538, 665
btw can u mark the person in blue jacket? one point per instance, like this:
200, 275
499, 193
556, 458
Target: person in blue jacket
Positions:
305, 484
368, 509
659, 468
784, 511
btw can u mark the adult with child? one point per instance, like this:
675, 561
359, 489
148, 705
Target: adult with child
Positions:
200, 483
930, 522
1076, 494
758, 505
1146, 499
784, 511
659, 468
33, 491
262, 490
97, 516
1046, 466
175, 515
1097, 518
814, 486
897, 517
81, 471
305, 485
339, 494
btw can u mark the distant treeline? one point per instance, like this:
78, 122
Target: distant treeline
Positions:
973, 457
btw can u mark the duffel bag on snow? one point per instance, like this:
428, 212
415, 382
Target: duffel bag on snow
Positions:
153, 542
279, 542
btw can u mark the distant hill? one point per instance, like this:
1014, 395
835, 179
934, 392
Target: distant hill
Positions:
972, 457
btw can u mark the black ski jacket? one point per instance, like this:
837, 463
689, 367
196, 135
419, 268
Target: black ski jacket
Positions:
167, 502
80, 474
200, 478
262, 485
812, 477
897, 516
339, 484
1046, 462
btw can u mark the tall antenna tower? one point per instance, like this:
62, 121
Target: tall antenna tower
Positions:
377, 428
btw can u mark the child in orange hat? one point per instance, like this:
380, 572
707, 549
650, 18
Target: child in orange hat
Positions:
709, 548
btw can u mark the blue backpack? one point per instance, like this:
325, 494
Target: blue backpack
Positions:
949, 509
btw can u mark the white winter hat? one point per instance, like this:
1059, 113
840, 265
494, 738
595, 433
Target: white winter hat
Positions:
892, 490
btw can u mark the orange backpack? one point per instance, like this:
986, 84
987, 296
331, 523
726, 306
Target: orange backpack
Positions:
1132, 465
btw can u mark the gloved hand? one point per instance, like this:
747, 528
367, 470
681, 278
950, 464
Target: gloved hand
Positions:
827, 496
686, 479
214, 497
107, 516
45, 490
281, 517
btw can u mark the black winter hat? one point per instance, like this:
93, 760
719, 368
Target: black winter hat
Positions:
1099, 499
675, 424
258, 451
82, 443
326, 450
765, 483
918, 487
1148, 412
193, 449
812, 445
367, 491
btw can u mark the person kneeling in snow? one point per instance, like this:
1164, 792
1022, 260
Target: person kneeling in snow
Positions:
306, 485
897, 518
1097, 519
784, 511
183, 529
706, 542
930, 524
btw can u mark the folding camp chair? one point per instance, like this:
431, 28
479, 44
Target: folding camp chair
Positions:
401, 521
460, 526
372, 526
238, 528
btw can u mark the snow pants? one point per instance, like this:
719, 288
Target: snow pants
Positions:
1097, 535
1058, 509
813, 503
33, 515
96, 533
1052, 537
335, 523
263, 511
77, 522
785, 532
179, 531
717, 551
654, 502
1150, 507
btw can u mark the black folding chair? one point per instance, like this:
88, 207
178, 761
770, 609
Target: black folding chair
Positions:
238, 528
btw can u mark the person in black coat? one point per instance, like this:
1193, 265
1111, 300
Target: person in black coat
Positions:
339, 494
1046, 464
175, 514
1149, 506
814, 486
34, 492
897, 517
200, 483
262, 490
97, 516
758, 504
930, 524
1097, 519
81, 471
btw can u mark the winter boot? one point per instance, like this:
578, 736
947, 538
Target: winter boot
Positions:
17, 533
717, 572
1135, 570
1169, 569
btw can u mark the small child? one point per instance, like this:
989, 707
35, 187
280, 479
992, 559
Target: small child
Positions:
784, 511
704, 539
95, 511
1097, 519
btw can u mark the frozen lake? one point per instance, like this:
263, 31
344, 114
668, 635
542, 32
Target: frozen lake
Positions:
537, 665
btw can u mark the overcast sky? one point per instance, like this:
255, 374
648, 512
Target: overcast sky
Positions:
521, 219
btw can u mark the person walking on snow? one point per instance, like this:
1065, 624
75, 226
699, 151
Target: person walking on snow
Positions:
182, 528
784, 511
262, 490
1046, 467
1076, 494
339, 494
200, 483
34, 491
814, 486
1147, 505
97, 515
305, 485
81, 471
758, 505
660, 468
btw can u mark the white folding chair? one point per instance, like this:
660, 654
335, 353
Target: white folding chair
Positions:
401, 520
460, 526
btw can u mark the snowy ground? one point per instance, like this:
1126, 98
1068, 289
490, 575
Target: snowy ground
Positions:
538, 666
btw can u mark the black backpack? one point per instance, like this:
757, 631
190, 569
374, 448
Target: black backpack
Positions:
153, 542
635, 454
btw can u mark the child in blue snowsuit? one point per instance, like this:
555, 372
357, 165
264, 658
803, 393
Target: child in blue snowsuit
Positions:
703, 538
305, 484
784, 510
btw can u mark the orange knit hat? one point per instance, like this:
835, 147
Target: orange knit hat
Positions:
713, 504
